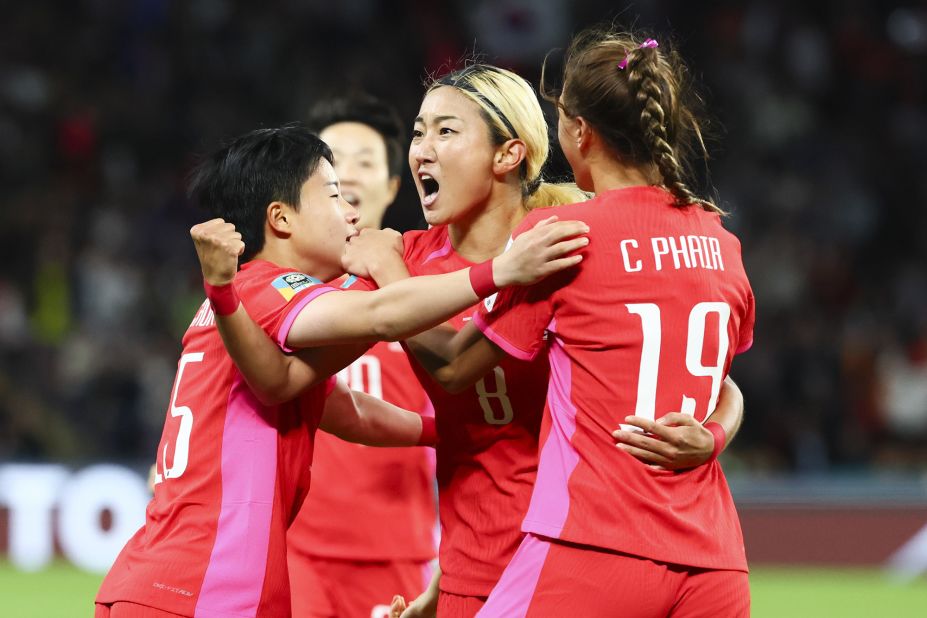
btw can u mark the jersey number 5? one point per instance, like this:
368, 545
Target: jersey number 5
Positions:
650, 355
500, 394
182, 445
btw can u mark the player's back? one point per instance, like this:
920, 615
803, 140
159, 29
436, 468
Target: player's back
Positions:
487, 446
647, 325
231, 473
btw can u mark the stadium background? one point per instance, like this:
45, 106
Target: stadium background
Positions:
820, 128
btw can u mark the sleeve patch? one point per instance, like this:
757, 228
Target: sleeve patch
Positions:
292, 283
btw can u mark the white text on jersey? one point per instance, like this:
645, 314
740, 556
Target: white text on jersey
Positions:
204, 316
676, 251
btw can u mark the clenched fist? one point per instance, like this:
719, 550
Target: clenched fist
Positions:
218, 247
367, 252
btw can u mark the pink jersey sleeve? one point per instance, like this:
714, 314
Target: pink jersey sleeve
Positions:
274, 297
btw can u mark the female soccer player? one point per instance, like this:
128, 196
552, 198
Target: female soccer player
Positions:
648, 324
479, 144
233, 468
366, 530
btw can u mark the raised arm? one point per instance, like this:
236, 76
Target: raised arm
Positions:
355, 317
274, 377
409, 306
358, 417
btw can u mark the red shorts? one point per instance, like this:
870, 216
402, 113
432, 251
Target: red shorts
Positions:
452, 605
326, 588
552, 579
124, 609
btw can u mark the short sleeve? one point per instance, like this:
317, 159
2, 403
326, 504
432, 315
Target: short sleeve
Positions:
745, 341
517, 320
275, 297
292, 309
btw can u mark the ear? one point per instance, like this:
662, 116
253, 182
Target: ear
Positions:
583, 133
509, 156
279, 218
393, 188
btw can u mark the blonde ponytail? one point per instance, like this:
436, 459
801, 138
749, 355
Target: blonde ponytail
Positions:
555, 194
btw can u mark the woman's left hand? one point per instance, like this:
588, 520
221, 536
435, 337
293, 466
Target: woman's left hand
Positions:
675, 442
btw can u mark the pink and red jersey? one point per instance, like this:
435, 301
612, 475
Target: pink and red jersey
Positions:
487, 446
371, 503
231, 473
648, 324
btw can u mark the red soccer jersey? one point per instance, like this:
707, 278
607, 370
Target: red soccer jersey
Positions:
647, 325
371, 503
487, 446
231, 473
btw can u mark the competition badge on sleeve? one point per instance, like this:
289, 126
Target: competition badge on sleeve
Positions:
292, 283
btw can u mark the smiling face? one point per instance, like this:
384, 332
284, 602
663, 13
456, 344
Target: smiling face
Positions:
451, 156
362, 165
322, 225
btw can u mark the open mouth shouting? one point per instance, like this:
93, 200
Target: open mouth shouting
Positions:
430, 189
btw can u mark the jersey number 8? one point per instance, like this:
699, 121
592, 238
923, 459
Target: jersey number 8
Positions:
500, 394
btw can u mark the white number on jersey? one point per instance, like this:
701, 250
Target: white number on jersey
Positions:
182, 445
650, 356
500, 394
364, 375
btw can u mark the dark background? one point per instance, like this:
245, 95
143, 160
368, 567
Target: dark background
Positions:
819, 124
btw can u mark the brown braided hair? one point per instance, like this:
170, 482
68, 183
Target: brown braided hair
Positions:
644, 112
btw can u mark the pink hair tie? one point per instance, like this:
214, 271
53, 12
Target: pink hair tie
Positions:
646, 44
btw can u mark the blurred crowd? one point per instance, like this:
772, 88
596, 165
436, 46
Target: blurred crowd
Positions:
820, 121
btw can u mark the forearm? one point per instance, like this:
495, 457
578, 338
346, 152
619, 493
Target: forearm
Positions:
430, 596
729, 412
361, 418
394, 312
410, 306
455, 359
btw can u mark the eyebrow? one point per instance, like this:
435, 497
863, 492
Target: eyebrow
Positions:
438, 118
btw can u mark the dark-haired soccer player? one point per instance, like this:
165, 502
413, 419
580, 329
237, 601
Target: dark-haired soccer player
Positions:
234, 468
366, 530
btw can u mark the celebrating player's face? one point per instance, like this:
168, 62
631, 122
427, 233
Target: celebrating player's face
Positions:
323, 224
362, 166
450, 156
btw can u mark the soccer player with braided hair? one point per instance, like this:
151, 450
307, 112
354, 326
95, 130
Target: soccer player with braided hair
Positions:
649, 324
640, 336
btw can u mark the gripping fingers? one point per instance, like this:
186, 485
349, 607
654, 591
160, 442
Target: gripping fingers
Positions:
644, 455
397, 606
567, 246
559, 264
643, 442
565, 229
546, 221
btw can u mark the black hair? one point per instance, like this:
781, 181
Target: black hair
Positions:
369, 110
237, 181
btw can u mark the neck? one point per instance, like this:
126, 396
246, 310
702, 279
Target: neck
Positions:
280, 253
608, 173
484, 234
